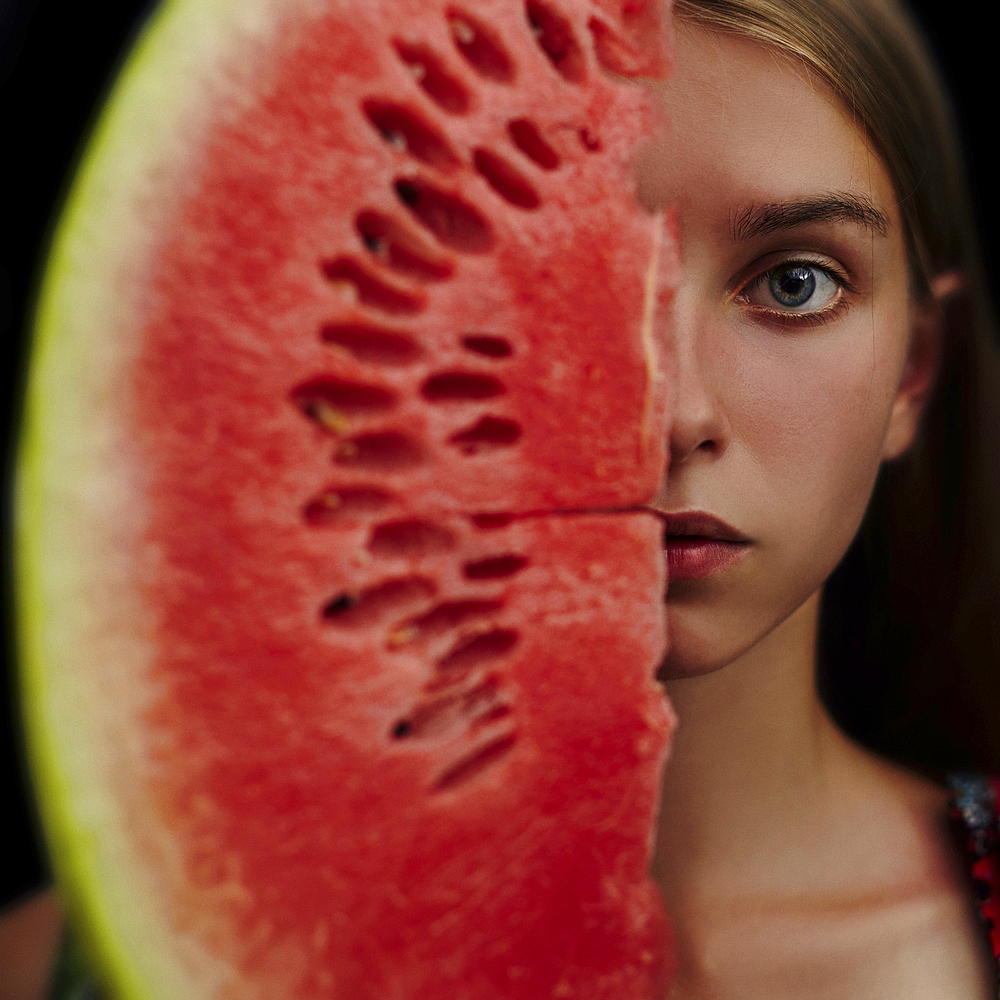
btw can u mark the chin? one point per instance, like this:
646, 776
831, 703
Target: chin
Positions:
682, 662
704, 638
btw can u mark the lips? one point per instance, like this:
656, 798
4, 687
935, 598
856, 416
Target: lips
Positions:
698, 545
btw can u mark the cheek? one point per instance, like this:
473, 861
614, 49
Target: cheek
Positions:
816, 412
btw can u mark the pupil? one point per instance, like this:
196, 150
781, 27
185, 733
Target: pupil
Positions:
794, 286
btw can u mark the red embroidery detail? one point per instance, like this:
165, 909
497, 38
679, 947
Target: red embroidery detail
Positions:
974, 809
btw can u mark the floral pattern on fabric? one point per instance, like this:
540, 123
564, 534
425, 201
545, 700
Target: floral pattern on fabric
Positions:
974, 799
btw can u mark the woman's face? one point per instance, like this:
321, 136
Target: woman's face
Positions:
790, 336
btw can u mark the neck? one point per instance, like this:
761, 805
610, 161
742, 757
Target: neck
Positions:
778, 835
754, 757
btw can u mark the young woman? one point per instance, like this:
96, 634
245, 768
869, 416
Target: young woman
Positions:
829, 340
829, 333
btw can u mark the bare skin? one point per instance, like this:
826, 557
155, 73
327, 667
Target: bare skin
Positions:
794, 863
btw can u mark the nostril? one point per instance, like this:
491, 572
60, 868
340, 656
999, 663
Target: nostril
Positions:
681, 451
699, 428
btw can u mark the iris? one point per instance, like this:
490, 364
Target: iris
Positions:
793, 286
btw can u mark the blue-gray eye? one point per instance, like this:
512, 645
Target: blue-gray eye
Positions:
793, 287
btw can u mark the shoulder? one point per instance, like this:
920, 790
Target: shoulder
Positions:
897, 916
940, 843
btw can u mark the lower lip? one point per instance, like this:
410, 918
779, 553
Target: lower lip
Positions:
694, 558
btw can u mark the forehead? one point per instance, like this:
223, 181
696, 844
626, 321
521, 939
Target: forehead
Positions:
747, 125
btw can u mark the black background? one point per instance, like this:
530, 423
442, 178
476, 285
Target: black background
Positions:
56, 61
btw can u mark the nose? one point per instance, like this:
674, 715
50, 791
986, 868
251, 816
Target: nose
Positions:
699, 423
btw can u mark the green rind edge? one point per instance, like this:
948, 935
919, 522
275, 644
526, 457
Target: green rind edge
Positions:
68, 850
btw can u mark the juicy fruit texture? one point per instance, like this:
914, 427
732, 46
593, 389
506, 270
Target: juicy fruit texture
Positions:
343, 607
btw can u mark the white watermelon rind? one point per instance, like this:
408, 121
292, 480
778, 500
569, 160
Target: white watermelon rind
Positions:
68, 434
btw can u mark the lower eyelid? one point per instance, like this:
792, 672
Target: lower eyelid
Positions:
788, 317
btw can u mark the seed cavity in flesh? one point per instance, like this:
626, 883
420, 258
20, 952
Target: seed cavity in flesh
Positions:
372, 344
494, 567
472, 765
481, 47
474, 707
491, 522
431, 718
505, 180
486, 434
331, 402
338, 504
483, 702
459, 386
487, 345
379, 451
618, 53
528, 139
399, 249
409, 539
447, 92
441, 618
356, 284
555, 37
452, 221
434, 716
470, 652
405, 130
348, 610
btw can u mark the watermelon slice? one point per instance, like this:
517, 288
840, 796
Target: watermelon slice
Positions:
341, 603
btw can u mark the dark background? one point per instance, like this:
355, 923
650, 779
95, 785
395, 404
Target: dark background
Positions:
56, 58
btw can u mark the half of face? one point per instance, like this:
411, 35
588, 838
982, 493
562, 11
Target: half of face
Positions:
800, 362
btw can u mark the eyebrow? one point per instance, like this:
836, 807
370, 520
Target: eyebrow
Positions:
758, 220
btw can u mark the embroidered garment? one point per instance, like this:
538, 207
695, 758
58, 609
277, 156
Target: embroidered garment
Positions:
974, 799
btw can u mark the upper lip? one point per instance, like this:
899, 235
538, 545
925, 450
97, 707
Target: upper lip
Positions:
697, 524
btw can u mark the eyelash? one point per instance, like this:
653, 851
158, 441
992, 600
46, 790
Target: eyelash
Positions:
784, 317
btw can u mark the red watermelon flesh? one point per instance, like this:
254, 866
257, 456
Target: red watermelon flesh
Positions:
445, 790
452, 295
394, 406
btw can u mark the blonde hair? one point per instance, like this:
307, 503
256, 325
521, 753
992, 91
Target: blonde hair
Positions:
910, 641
